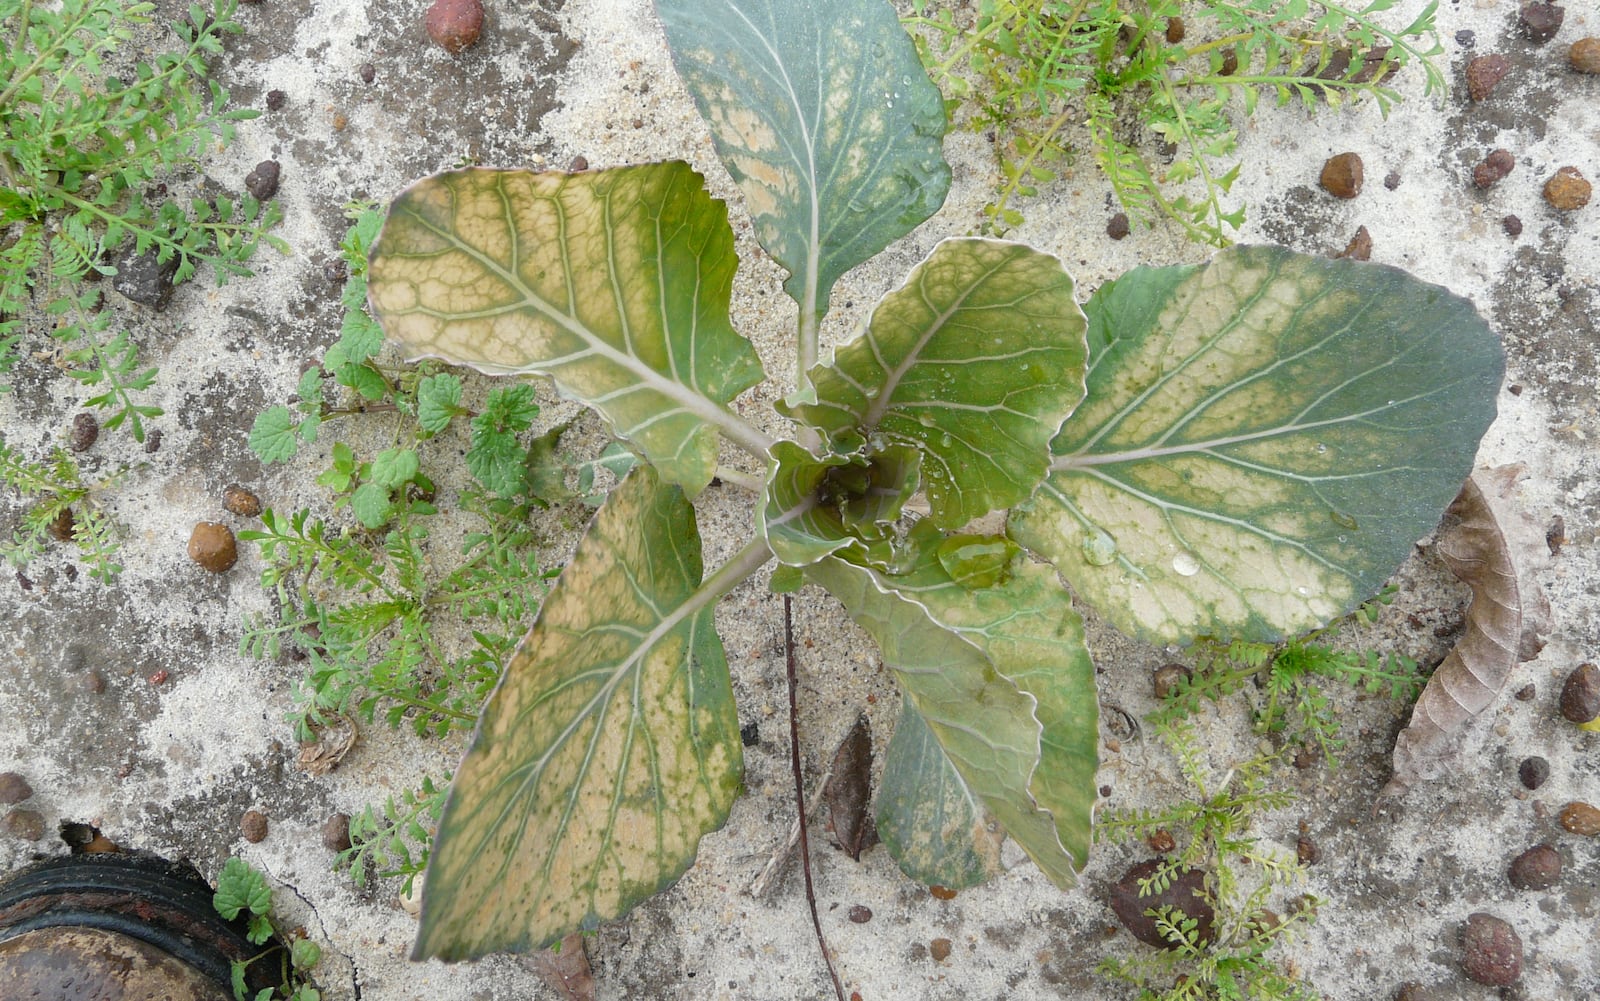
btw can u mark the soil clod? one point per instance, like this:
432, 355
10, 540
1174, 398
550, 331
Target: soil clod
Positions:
1567, 190
212, 546
25, 824
1538, 868
336, 833
262, 181
253, 825
1539, 22
860, 915
1342, 175
240, 501
1484, 73
1117, 228
1491, 950
1494, 168
1533, 771
1584, 56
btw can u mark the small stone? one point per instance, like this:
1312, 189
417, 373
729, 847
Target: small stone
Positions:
1183, 893
1567, 190
1494, 167
13, 788
1391, 180
1580, 695
750, 734
860, 915
211, 545
1360, 246
1526, 693
25, 824
939, 949
159, 678
1342, 175
143, 279
1307, 851
336, 833
152, 443
276, 99
1230, 62
578, 165
1117, 228
85, 429
454, 24
1584, 56
1533, 771
1580, 818
1175, 30
1161, 841
1540, 21
1538, 868
253, 825
1512, 225
1170, 678
367, 72
942, 892
262, 181
62, 526
340, 121
237, 500
411, 897
1466, 38
1484, 73
1491, 950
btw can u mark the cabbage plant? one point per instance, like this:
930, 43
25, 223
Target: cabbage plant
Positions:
1246, 448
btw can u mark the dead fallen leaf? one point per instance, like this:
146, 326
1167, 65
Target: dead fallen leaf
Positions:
321, 756
849, 791
1494, 549
565, 969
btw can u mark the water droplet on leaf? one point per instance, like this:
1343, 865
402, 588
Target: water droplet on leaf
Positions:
1099, 548
1185, 565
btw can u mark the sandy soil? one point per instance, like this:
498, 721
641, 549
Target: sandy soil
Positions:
170, 768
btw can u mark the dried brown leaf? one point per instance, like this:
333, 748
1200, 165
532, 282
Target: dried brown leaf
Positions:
565, 969
1493, 548
849, 791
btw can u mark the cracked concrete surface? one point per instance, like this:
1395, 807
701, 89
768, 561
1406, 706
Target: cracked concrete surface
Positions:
171, 767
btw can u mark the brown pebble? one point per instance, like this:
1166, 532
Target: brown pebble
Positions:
942, 892
1117, 228
1342, 175
578, 165
1526, 693
1175, 30
152, 444
340, 122
262, 181
1539, 22
1494, 167
1512, 225
1580, 695
1169, 679
276, 99
212, 546
1584, 56
1484, 73
1360, 246
253, 825
1307, 851
1183, 894
1533, 771
85, 429
13, 788
1230, 62
1161, 841
25, 824
367, 72
1538, 868
237, 500
939, 949
1491, 950
336, 833
860, 915
454, 24
62, 526
1567, 190
159, 678
1580, 818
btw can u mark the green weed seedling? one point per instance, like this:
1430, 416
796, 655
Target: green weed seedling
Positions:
63, 507
1040, 72
242, 891
1244, 449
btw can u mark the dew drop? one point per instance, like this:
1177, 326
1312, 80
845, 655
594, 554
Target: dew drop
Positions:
1185, 565
1099, 548
1302, 590
945, 441
872, 392
1321, 447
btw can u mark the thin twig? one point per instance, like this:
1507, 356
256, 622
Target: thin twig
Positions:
763, 883
800, 798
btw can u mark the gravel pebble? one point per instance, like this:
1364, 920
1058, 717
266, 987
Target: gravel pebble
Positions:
1567, 190
939, 949
1527, 692
1538, 868
1484, 73
1169, 678
276, 99
25, 824
212, 546
1491, 950
1307, 851
1117, 228
253, 825
1584, 56
1494, 168
1580, 818
1533, 771
237, 500
336, 832
1540, 21
85, 429
1360, 246
1391, 180
262, 181
1512, 225
579, 164
367, 72
14, 788
1580, 695
860, 915
454, 24
1342, 175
